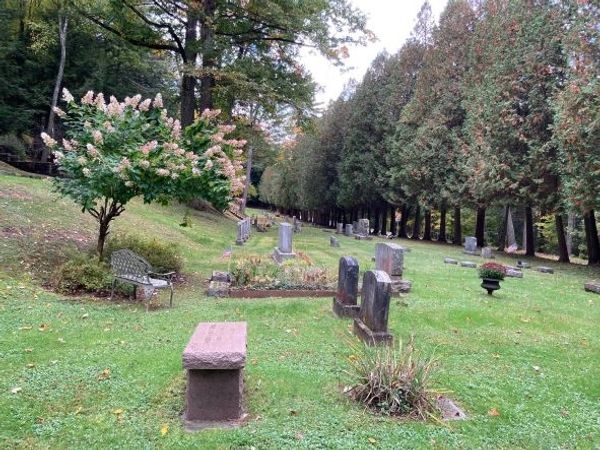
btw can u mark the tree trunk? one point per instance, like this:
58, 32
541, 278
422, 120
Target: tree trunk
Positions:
501, 242
457, 238
102, 235
417, 225
570, 228
247, 183
480, 227
427, 231
442, 236
563, 250
403, 232
529, 238
591, 237
376, 218
63, 23
384, 215
393, 228
207, 37
189, 81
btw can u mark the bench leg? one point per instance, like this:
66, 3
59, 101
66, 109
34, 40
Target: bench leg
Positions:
171, 298
112, 291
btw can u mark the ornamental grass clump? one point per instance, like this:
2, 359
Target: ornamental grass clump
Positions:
114, 151
393, 380
492, 271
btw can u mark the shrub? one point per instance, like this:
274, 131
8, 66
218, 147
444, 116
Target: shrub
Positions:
83, 274
492, 270
13, 145
392, 380
163, 256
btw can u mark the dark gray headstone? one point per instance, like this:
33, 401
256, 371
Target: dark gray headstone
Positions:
471, 245
544, 269
468, 264
592, 286
450, 261
349, 231
284, 245
333, 242
339, 228
345, 301
371, 324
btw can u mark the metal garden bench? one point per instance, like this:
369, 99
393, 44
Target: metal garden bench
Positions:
129, 267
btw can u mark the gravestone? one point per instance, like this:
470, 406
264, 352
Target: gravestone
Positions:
362, 227
471, 245
450, 261
345, 301
297, 225
390, 259
214, 360
523, 265
333, 242
544, 269
239, 240
349, 229
371, 324
513, 272
592, 286
486, 252
219, 284
339, 228
284, 250
468, 264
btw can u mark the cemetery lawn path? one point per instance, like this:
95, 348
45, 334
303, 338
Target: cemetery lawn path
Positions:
85, 373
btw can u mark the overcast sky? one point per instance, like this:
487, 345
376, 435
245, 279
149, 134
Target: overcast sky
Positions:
391, 21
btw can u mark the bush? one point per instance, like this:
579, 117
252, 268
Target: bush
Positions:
83, 274
392, 380
263, 273
492, 270
12, 144
163, 256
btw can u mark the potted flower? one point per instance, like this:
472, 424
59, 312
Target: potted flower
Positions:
491, 273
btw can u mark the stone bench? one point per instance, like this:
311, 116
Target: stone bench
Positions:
214, 359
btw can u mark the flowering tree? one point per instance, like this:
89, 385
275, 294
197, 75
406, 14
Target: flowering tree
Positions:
116, 151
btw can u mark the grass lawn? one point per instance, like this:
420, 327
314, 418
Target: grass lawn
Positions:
524, 364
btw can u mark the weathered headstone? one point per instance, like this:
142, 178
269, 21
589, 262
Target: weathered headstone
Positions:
486, 252
345, 301
471, 245
333, 242
371, 324
284, 250
219, 284
544, 269
214, 359
349, 229
339, 228
239, 240
297, 225
513, 272
450, 261
468, 264
592, 286
362, 227
390, 259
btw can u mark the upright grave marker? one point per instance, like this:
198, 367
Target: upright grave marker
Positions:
345, 301
471, 245
349, 231
390, 259
284, 250
371, 324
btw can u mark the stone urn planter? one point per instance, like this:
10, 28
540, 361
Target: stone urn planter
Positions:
491, 273
491, 285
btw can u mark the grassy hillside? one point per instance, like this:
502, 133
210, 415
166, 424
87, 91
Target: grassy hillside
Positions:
524, 364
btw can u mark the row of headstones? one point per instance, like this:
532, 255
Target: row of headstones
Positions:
371, 316
358, 229
243, 231
471, 248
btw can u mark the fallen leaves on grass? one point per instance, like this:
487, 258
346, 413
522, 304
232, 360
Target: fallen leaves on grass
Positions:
44, 327
164, 429
372, 441
104, 375
15, 390
118, 411
494, 412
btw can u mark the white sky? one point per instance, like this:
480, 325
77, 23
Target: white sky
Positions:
391, 21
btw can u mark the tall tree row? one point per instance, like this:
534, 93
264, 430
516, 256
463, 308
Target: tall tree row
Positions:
494, 108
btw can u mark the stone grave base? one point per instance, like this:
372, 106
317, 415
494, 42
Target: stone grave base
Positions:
544, 269
513, 273
280, 257
400, 285
468, 252
450, 261
343, 310
363, 238
592, 287
369, 337
219, 284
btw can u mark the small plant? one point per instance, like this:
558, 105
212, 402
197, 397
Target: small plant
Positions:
493, 271
83, 274
162, 256
393, 380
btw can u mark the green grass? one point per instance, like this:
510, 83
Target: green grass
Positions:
488, 347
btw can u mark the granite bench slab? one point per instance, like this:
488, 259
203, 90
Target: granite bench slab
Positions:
218, 345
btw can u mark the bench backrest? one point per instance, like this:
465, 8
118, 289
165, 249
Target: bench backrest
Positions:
131, 266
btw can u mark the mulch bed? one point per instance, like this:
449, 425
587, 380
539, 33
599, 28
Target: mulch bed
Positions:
273, 293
